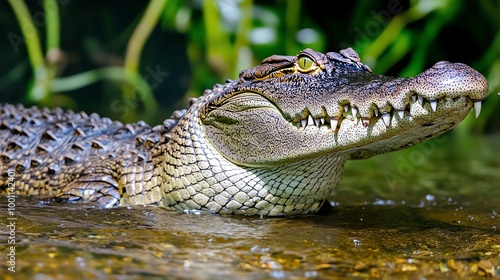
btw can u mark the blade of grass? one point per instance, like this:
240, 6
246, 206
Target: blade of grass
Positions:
395, 52
134, 50
135, 81
84, 79
52, 31
38, 90
141, 34
433, 26
29, 32
380, 44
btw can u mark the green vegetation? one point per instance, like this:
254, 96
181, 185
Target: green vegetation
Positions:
148, 58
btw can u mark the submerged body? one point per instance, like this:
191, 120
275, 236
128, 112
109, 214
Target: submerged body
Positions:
273, 142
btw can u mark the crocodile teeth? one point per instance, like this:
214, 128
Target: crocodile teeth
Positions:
322, 120
414, 98
401, 114
303, 123
346, 108
387, 119
310, 120
434, 105
333, 123
420, 100
354, 113
477, 108
376, 112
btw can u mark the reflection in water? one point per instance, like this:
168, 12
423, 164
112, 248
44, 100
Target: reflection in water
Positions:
441, 219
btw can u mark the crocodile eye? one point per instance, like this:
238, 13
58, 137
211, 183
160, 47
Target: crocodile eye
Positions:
305, 63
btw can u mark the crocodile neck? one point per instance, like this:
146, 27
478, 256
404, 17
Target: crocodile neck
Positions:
194, 175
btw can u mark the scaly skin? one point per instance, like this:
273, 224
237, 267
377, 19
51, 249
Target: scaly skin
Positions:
273, 142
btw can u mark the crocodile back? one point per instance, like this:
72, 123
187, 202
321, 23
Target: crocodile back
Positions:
49, 149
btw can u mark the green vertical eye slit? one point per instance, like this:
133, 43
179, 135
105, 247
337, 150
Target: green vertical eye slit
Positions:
305, 63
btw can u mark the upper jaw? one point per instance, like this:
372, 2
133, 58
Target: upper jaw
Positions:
393, 113
443, 80
382, 98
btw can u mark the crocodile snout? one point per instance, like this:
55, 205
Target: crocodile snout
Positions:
446, 79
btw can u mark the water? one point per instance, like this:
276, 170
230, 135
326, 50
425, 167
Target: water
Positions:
432, 211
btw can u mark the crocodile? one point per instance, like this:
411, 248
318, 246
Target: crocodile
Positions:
272, 142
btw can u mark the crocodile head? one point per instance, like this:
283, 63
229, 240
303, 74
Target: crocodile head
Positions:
297, 107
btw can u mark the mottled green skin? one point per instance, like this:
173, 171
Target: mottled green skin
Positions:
273, 142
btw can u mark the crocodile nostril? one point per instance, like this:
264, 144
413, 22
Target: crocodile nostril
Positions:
441, 64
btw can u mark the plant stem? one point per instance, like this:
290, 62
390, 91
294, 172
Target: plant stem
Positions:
52, 24
133, 55
30, 34
141, 33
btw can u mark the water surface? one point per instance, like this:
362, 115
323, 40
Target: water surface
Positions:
427, 212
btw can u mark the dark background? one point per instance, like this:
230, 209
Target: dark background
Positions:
398, 38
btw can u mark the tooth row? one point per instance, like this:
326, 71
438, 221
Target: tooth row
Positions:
311, 121
434, 103
386, 117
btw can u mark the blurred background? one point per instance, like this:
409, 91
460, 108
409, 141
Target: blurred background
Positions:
143, 59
